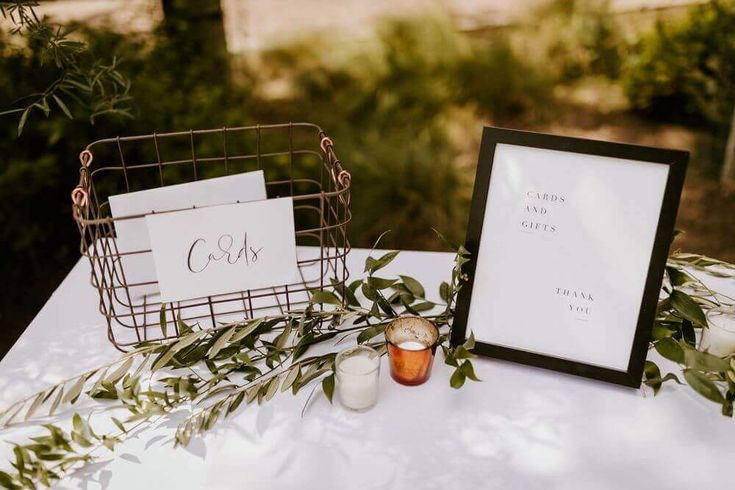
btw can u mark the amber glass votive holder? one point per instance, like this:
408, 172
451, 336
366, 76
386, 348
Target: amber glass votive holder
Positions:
411, 342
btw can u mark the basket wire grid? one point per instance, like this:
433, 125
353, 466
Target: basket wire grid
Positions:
298, 161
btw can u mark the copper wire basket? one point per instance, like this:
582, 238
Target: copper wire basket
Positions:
297, 159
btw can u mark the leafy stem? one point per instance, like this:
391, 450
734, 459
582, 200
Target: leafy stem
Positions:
218, 370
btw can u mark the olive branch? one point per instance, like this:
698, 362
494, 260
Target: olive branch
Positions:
212, 372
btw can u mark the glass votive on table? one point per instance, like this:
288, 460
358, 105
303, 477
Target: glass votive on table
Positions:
357, 372
719, 337
412, 342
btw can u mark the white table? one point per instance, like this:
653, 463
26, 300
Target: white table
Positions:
519, 428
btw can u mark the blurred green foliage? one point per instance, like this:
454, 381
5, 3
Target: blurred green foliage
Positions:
388, 106
39, 170
390, 109
576, 38
72, 76
685, 70
403, 110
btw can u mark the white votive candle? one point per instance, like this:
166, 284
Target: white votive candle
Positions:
719, 337
412, 345
357, 373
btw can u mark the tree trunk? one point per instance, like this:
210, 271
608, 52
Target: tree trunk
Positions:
195, 28
727, 175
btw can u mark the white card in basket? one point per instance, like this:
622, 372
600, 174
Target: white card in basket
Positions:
132, 234
224, 249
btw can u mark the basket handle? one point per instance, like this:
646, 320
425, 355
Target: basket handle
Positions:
342, 176
79, 197
80, 194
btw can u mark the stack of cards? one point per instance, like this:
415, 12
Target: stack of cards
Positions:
204, 238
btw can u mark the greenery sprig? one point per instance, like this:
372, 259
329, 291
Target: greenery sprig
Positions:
209, 373
81, 79
680, 314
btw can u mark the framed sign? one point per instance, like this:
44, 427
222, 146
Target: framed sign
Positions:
569, 239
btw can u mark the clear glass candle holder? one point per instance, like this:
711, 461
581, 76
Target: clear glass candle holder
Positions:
411, 342
357, 373
719, 337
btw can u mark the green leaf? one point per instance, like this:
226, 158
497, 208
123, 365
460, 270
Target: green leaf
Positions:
292, 375
369, 333
687, 333
80, 425
184, 329
670, 349
380, 283
678, 277
468, 370
272, 388
34, 406
385, 306
423, 306
80, 439
119, 425
703, 385
374, 265
162, 320
23, 119
407, 305
252, 393
328, 386
660, 331
703, 361
250, 328
652, 375
180, 345
688, 308
234, 404
121, 370
62, 106
6, 481
281, 339
663, 305
461, 352
369, 292
727, 408
444, 240
349, 294
76, 389
56, 402
413, 285
324, 296
671, 377
221, 342
469, 344
444, 291
457, 379
164, 358
449, 357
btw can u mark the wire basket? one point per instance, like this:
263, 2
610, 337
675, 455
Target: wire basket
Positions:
297, 159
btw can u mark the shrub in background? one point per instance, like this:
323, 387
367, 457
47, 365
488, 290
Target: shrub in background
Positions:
575, 38
685, 70
389, 105
37, 172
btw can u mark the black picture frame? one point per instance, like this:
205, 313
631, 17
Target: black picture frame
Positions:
675, 159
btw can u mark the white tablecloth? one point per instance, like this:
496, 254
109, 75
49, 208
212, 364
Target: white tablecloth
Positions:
519, 428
